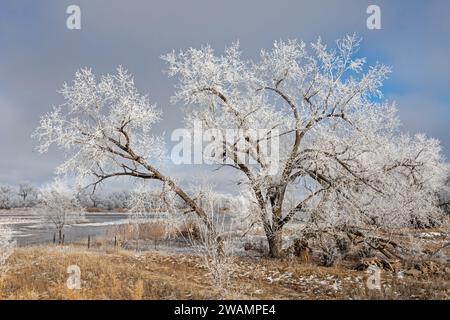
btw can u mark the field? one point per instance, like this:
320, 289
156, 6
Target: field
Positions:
40, 272
163, 264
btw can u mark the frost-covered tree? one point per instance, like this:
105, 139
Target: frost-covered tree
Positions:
28, 195
6, 247
444, 196
341, 152
105, 127
87, 199
7, 199
59, 206
118, 199
144, 200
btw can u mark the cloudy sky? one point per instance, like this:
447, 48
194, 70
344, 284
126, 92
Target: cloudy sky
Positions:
38, 54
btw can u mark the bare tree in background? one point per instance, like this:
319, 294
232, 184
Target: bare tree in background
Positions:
59, 206
105, 129
28, 194
6, 197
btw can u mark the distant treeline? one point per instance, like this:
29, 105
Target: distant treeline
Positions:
27, 196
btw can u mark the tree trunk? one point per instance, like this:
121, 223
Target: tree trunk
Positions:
60, 236
275, 241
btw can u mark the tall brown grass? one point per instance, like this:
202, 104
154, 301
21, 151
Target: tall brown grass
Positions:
41, 273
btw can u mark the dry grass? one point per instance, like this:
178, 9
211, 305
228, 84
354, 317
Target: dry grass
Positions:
40, 273
147, 231
94, 210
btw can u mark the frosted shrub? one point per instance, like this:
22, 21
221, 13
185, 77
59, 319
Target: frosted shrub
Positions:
6, 247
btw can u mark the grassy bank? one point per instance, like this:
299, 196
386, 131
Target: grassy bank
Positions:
41, 273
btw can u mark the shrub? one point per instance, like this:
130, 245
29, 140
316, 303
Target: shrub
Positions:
6, 247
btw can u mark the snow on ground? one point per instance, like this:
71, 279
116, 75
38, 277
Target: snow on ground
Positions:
431, 235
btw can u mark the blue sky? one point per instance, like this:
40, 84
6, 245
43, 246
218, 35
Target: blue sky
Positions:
38, 54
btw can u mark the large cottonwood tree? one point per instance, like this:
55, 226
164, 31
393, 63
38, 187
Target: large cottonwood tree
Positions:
340, 154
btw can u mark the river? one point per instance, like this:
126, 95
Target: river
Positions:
28, 229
